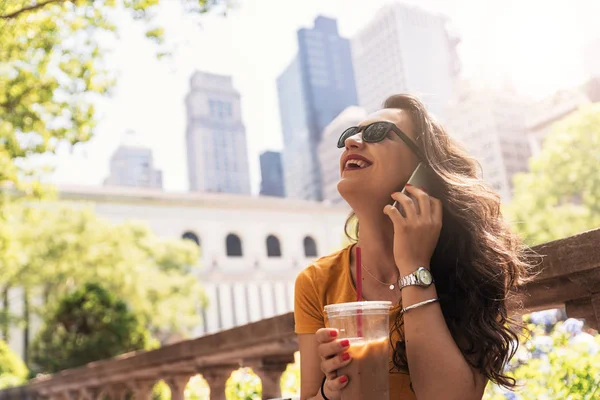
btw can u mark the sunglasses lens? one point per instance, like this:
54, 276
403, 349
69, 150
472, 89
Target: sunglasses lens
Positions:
376, 132
347, 133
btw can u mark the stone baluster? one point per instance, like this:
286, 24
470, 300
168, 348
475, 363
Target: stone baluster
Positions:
216, 377
88, 393
142, 389
177, 384
60, 396
116, 391
269, 370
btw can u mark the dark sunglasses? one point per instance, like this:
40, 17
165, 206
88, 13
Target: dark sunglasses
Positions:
376, 132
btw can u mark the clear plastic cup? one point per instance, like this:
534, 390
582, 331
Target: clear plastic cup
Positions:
366, 325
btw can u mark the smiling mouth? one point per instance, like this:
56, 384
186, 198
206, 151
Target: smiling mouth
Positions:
354, 165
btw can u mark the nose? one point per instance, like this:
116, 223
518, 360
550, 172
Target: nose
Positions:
354, 141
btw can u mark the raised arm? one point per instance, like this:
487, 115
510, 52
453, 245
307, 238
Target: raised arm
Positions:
438, 369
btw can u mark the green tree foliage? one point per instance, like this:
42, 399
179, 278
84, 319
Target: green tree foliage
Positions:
560, 361
560, 196
51, 71
13, 371
57, 248
243, 384
161, 391
197, 389
88, 325
290, 379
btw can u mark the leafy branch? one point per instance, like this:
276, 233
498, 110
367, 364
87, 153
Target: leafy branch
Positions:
29, 8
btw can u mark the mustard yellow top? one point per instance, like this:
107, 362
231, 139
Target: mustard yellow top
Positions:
329, 281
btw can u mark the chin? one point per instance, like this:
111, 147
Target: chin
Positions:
351, 189
354, 192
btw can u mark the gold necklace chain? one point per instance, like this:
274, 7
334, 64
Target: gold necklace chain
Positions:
391, 286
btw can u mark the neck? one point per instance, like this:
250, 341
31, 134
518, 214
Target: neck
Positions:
376, 243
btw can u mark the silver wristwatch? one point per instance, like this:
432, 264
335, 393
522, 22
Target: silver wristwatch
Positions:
421, 277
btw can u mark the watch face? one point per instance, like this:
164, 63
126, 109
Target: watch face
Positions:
425, 276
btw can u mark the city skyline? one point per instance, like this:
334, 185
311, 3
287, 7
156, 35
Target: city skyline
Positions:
133, 165
404, 49
159, 112
271, 174
217, 154
312, 90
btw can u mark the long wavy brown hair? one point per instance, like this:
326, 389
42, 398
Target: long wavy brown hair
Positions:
478, 262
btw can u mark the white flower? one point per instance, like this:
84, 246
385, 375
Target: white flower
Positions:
572, 326
585, 339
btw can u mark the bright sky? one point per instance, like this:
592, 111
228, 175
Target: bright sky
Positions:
535, 44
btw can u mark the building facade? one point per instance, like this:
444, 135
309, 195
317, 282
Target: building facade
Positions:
404, 49
329, 154
271, 172
217, 153
251, 248
315, 87
546, 112
133, 166
591, 58
490, 123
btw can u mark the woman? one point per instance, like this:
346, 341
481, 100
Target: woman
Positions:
457, 336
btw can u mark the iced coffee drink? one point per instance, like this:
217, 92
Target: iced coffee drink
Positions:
368, 372
366, 325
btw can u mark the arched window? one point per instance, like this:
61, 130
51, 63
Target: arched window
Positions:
191, 236
273, 246
234, 245
310, 247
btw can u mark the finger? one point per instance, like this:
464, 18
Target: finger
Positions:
327, 350
394, 214
335, 385
437, 209
325, 335
408, 205
334, 363
420, 194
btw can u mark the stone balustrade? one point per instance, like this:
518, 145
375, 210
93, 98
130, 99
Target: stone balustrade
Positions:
568, 276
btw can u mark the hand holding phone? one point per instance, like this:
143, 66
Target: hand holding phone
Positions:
422, 177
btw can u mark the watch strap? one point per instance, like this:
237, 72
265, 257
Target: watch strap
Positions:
411, 279
408, 280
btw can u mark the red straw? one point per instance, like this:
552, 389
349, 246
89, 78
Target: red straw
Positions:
359, 327
358, 275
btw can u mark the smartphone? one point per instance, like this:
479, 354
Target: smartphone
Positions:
422, 177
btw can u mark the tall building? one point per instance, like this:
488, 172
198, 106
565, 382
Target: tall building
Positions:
216, 138
271, 172
329, 154
133, 165
404, 49
316, 86
591, 58
490, 123
545, 113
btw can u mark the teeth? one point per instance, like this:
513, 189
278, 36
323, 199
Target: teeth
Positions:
360, 163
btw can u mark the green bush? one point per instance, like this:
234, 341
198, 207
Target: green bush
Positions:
161, 391
559, 361
13, 371
88, 325
243, 384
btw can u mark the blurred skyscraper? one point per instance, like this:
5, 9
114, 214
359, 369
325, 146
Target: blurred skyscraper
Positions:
545, 113
132, 165
316, 86
404, 49
271, 172
216, 137
592, 59
329, 154
490, 123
